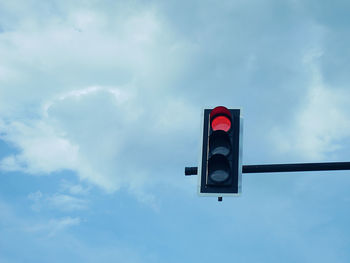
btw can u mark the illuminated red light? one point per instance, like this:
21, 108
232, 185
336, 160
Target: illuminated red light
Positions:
220, 119
221, 123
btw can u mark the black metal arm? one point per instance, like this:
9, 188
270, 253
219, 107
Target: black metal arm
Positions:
291, 167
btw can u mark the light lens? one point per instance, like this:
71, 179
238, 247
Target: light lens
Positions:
219, 143
218, 169
222, 123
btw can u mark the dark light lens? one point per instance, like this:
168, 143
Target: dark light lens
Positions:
218, 168
219, 143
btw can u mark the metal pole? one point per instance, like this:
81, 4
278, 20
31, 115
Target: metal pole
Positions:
289, 167
295, 167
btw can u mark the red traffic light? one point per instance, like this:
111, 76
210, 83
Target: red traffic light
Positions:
221, 123
221, 169
220, 119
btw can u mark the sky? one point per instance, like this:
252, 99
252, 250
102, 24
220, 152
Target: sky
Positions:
101, 107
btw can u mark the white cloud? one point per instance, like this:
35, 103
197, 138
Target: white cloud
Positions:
42, 149
10, 220
67, 203
320, 123
74, 189
53, 226
57, 114
57, 201
83, 47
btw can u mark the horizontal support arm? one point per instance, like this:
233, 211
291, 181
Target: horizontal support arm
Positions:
295, 167
191, 170
290, 167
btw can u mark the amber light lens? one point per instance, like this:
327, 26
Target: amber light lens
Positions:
221, 123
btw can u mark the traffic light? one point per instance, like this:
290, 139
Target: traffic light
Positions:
221, 168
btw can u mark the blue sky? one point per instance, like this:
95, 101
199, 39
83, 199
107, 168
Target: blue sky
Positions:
100, 111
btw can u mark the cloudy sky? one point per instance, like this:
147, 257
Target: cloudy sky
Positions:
100, 111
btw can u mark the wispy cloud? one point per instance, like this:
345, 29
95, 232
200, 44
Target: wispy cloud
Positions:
320, 123
73, 189
11, 221
57, 201
53, 226
67, 202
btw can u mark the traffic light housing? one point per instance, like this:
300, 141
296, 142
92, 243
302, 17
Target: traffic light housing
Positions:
221, 166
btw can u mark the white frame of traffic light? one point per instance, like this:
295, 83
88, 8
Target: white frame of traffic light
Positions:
240, 146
